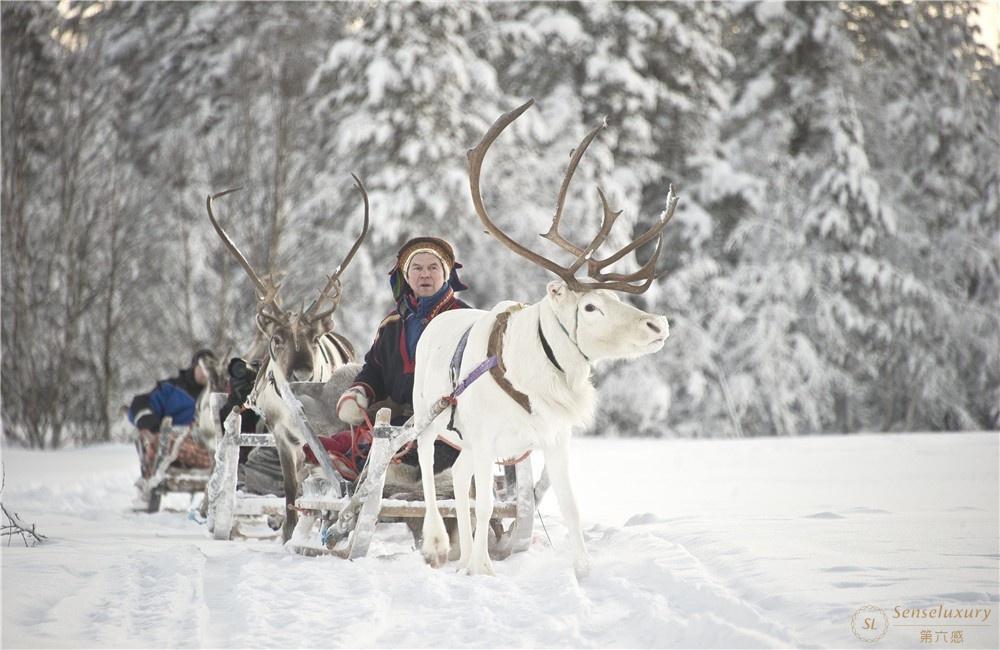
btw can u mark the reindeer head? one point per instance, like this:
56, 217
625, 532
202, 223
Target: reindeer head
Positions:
590, 312
604, 327
293, 342
293, 337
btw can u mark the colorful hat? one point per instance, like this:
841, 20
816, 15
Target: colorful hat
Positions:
436, 247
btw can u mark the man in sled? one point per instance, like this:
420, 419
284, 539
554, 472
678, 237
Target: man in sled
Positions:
174, 398
424, 281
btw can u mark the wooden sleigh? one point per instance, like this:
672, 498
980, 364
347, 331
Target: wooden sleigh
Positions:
164, 477
339, 517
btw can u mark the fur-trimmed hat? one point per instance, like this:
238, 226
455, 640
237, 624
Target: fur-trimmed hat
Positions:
437, 247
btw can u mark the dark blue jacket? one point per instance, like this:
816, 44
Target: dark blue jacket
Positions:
388, 367
173, 398
389, 364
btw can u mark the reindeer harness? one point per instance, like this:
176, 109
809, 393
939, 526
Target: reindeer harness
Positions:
495, 366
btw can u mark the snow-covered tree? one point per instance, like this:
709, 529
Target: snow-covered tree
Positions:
398, 100
654, 70
832, 264
935, 90
804, 213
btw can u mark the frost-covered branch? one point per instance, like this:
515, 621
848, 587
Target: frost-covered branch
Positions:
12, 526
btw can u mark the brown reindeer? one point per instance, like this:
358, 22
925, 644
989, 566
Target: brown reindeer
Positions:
301, 345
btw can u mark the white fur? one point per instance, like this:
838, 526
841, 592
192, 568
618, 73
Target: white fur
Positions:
494, 426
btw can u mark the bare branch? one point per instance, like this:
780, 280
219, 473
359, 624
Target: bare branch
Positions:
12, 525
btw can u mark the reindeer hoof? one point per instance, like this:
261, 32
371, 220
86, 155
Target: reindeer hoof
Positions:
481, 568
581, 567
436, 560
435, 550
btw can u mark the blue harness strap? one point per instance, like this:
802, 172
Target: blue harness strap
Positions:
456, 367
458, 387
490, 365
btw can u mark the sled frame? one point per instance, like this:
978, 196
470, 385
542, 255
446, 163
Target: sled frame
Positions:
226, 507
345, 527
163, 478
339, 518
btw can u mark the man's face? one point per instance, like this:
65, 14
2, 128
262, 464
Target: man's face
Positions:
425, 275
200, 375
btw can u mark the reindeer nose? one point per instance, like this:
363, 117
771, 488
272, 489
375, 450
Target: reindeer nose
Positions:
659, 326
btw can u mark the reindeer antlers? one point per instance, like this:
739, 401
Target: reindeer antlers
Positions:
333, 284
267, 289
614, 281
267, 292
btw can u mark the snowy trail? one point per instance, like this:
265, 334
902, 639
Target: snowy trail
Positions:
765, 543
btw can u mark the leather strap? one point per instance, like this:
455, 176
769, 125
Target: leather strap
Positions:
548, 349
495, 349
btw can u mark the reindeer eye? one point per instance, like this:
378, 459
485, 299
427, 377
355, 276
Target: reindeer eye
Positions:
589, 307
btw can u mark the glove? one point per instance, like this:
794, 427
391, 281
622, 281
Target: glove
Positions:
242, 377
351, 405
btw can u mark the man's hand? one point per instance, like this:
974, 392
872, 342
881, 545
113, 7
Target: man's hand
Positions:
351, 405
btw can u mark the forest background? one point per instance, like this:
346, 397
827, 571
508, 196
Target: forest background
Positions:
832, 267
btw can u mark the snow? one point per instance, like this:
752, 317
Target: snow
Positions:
696, 543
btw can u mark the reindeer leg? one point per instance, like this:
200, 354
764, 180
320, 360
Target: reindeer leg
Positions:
557, 464
289, 472
436, 546
461, 478
479, 561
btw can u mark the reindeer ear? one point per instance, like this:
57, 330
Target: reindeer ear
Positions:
557, 289
322, 326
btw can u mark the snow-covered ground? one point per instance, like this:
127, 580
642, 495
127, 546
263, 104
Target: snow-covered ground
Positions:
695, 543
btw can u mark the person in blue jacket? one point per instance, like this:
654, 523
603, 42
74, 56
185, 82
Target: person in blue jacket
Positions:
174, 398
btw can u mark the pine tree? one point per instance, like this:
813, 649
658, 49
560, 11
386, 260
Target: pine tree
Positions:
937, 89
399, 99
802, 203
654, 71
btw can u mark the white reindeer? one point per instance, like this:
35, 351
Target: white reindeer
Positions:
541, 387
300, 346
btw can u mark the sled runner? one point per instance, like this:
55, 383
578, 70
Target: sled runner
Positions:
339, 517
